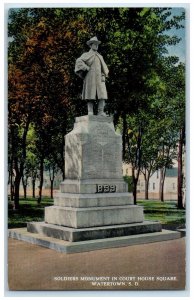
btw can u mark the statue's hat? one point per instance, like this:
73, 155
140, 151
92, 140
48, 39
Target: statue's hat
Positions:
93, 40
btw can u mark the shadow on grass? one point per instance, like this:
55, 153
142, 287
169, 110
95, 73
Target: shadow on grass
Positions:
29, 211
166, 213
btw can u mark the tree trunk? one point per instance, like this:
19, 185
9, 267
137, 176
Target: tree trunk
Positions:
25, 190
135, 180
52, 177
11, 181
12, 192
135, 191
162, 192
11, 166
19, 169
180, 170
52, 181
24, 182
18, 176
33, 187
63, 171
41, 179
161, 187
124, 135
11, 186
146, 178
146, 189
63, 167
17, 191
136, 166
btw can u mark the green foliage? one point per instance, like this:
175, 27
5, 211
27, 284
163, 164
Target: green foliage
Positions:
129, 181
44, 93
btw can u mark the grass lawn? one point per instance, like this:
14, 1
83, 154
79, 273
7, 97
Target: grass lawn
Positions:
29, 211
166, 212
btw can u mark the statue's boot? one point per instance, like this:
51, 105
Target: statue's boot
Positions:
90, 108
101, 105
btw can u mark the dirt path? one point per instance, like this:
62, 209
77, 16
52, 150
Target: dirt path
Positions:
158, 265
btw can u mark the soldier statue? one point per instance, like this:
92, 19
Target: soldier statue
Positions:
93, 70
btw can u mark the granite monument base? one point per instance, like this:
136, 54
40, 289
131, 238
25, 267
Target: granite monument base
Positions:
91, 245
92, 233
93, 216
93, 208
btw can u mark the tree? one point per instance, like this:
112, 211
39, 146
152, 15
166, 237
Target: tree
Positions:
20, 98
133, 151
175, 79
165, 160
19, 120
171, 107
179, 107
143, 84
150, 149
32, 162
30, 74
45, 44
52, 168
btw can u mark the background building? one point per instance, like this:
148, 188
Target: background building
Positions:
170, 184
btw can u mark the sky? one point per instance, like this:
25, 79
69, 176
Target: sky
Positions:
179, 49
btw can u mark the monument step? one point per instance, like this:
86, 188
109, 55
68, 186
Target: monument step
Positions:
92, 200
93, 216
91, 245
75, 235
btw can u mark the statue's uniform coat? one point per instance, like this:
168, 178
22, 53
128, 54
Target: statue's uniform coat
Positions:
94, 80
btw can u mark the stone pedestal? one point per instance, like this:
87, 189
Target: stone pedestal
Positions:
93, 201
